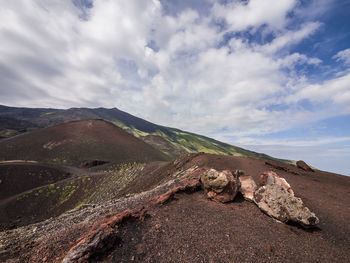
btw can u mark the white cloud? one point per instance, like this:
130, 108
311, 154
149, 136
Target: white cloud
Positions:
294, 59
291, 37
241, 15
343, 56
300, 142
174, 70
335, 91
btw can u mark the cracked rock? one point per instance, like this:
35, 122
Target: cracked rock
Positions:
278, 203
248, 187
270, 177
220, 186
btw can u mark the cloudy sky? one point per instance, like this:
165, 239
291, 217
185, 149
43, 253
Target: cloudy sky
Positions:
272, 76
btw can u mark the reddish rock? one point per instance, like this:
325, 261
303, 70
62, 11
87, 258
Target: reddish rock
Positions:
247, 187
101, 238
277, 202
302, 165
189, 182
220, 186
270, 177
276, 198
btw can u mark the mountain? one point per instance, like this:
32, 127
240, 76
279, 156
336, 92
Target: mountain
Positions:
172, 142
48, 171
100, 185
75, 142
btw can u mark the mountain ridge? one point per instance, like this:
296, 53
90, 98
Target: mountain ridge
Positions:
171, 141
78, 141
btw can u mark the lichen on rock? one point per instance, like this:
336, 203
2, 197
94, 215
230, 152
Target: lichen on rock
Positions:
270, 177
220, 186
280, 204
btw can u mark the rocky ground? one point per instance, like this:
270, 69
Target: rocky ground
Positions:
182, 212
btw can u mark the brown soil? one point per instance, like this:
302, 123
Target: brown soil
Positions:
193, 229
22, 176
46, 201
187, 227
74, 142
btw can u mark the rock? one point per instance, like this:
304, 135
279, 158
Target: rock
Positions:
278, 203
220, 186
281, 167
302, 165
276, 166
102, 238
214, 181
270, 177
247, 187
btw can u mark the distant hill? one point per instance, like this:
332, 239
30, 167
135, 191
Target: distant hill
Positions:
74, 142
172, 142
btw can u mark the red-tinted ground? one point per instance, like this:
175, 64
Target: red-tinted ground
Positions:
191, 228
74, 142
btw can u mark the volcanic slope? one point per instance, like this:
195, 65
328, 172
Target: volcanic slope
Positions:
18, 176
77, 141
175, 222
105, 157
172, 142
26, 191
31, 193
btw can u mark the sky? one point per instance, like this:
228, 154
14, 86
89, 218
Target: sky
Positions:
270, 76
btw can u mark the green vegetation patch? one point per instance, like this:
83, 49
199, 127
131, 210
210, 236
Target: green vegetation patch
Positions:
117, 178
6, 133
66, 192
179, 142
60, 160
46, 113
24, 196
185, 142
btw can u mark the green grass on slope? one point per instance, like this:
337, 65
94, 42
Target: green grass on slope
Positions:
177, 142
6, 133
89, 190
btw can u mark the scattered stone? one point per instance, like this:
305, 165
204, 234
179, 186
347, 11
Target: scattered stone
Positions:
278, 203
278, 167
180, 162
220, 186
270, 177
248, 187
281, 167
302, 165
